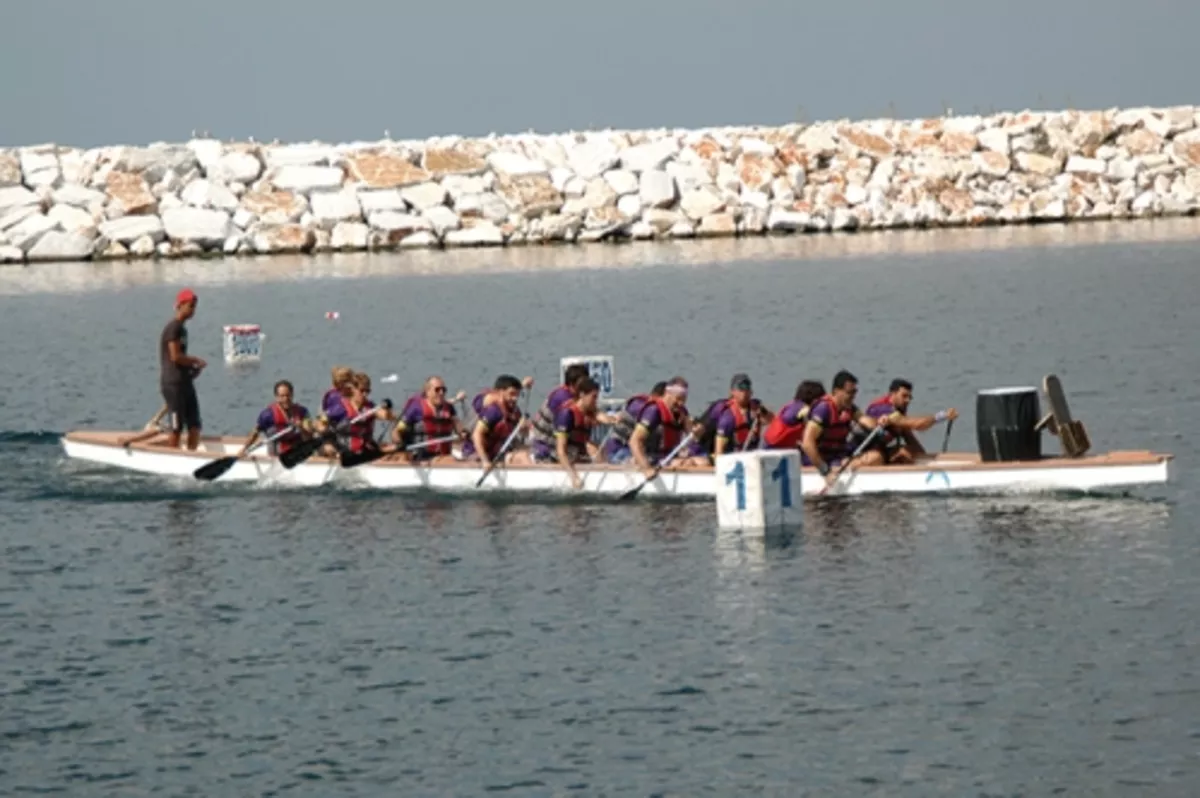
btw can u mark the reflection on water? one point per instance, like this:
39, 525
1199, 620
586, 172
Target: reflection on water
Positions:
111, 276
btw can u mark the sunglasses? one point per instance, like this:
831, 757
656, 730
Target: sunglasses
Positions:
440, 389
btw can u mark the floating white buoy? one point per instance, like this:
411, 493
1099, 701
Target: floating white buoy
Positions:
759, 491
390, 378
242, 343
332, 315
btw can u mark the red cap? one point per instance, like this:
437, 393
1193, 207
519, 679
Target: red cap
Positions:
184, 296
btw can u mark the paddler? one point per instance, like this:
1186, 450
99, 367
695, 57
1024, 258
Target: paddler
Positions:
542, 424
358, 436
617, 442
786, 430
278, 416
899, 444
734, 423
428, 416
341, 376
178, 372
826, 436
661, 428
497, 417
573, 426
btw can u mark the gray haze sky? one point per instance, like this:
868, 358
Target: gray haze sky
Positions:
94, 72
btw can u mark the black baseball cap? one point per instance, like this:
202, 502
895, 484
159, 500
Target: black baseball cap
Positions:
740, 382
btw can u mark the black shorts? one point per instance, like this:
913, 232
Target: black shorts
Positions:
183, 405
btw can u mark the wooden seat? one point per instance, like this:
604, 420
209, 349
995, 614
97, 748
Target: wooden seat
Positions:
1072, 435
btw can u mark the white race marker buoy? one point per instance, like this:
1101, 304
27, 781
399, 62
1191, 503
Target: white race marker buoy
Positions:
390, 378
332, 315
759, 491
242, 343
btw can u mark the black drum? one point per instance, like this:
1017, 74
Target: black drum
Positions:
1006, 424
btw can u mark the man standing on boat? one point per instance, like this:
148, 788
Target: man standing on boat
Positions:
178, 372
899, 445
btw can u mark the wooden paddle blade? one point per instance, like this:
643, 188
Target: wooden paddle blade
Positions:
300, 452
214, 468
352, 459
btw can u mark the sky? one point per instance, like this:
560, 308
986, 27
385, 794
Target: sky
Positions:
100, 72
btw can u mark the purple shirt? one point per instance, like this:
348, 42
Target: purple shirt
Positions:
564, 425
266, 419
340, 412
556, 398
884, 409
790, 414
331, 398
414, 412
491, 417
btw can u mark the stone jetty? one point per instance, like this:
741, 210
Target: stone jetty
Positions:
233, 198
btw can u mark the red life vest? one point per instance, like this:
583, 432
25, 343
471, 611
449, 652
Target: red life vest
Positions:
832, 443
669, 433
295, 417
780, 434
888, 436
498, 434
741, 423
581, 430
436, 422
360, 431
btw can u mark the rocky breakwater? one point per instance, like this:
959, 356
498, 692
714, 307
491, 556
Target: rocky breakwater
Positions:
207, 196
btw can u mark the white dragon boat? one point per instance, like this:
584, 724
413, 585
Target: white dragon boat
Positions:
1008, 432
941, 473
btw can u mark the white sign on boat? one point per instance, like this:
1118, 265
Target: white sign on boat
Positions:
601, 368
758, 491
243, 343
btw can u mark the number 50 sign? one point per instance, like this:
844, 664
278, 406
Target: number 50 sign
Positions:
759, 489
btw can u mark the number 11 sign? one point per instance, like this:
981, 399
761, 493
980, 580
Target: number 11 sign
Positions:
759, 490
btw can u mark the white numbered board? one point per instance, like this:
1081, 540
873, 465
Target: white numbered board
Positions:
242, 342
759, 490
600, 367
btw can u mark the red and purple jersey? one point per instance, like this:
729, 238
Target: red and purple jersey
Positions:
498, 427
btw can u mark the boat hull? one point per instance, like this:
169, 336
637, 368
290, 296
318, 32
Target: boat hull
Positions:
943, 474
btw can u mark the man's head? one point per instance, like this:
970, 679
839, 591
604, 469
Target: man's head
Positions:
574, 373
900, 393
741, 391
185, 304
435, 391
509, 388
845, 388
676, 392
809, 391
659, 389
589, 394
284, 393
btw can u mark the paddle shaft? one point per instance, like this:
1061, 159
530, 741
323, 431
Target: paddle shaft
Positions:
946, 440
215, 468
434, 442
500, 454
661, 465
861, 448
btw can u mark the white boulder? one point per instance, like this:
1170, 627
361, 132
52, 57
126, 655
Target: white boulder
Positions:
56, 245
208, 228
331, 207
306, 178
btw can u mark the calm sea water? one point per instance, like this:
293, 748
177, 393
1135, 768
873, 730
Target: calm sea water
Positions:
165, 638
